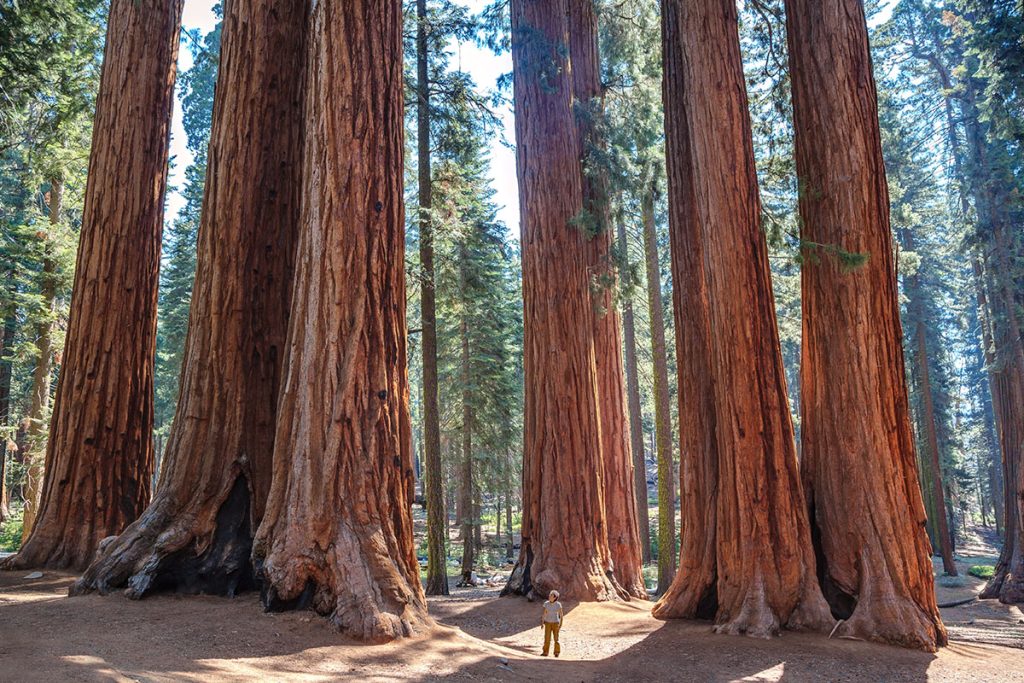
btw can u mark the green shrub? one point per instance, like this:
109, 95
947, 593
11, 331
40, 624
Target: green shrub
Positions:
982, 571
10, 533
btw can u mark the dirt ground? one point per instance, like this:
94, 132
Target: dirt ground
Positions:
45, 636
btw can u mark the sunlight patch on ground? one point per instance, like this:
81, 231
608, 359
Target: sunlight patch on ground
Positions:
772, 674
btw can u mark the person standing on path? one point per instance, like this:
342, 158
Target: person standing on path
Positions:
551, 622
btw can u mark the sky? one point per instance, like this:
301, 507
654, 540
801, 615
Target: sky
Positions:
480, 63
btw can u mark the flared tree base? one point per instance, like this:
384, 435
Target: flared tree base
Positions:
169, 550
352, 581
587, 585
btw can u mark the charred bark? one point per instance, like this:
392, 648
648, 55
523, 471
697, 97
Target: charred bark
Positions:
196, 535
753, 563
337, 535
861, 483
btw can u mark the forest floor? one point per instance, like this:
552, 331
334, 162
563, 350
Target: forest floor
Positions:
46, 636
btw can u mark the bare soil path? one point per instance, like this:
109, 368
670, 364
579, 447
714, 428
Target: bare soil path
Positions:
45, 636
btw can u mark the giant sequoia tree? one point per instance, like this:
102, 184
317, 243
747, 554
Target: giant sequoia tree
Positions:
99, 458
337, 533
620, 501
196, 536
565, 526
859, 464
747, 558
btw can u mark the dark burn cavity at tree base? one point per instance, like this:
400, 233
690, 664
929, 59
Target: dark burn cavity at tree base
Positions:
224, 568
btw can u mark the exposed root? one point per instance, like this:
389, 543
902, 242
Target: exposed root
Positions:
687, 598
884, 616
353, 582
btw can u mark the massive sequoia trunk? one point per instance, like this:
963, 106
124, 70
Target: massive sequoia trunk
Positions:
636, 433
564, 528
752, 562
437, 530
619, 498
99, 458
196, 535
859, 464
662, 408
337, 535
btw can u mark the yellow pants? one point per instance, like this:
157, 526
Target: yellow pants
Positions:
549, 631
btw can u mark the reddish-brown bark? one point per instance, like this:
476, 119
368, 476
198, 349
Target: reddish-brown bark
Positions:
859, 464
99, 459
620, 501
196, 535
565, 531
760, 577
337, 534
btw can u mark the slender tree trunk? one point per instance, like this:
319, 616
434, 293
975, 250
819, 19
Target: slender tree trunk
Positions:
861, 484
6, 375
1007, 583
620, 500
928, 420
510, 544
43, 374
636, 433
345, 546
662, 410
763, 561
994, 401
99, 459
196, 535
565, 529
437, 573
469, 513
991, 189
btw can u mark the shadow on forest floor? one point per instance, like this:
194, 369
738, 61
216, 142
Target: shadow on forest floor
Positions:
45, 636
